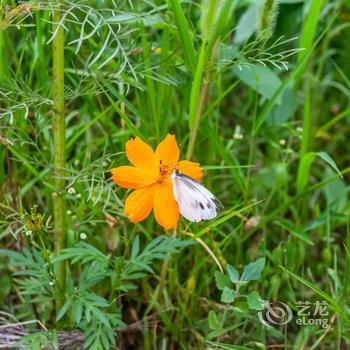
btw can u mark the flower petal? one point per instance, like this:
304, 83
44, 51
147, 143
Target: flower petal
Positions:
166, 209
168, 152
139, 203
131, 177
191, 169
140, 154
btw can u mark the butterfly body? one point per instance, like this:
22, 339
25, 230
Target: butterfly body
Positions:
196, 203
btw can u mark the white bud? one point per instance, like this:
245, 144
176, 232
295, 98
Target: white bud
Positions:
237, 136
83, 235
282, 142
71, 190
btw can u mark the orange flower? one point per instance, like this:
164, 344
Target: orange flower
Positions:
150, 178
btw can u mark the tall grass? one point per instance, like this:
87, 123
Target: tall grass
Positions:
59, 140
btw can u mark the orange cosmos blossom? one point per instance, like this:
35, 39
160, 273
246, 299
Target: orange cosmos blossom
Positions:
150, 178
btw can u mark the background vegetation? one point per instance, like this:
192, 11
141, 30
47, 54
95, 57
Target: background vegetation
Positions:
256, 91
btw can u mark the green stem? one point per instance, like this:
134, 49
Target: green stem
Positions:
162, 280
199, 93
163, 275
199, 109
59, 139
161, 284
197, 96
3, 59
46, 254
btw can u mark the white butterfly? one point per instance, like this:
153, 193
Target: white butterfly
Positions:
195, 202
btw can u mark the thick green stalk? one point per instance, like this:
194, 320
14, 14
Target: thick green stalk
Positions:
197, 98
3, 60
59, 139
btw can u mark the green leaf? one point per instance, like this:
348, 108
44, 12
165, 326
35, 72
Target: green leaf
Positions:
77, 311
233, 273
159, 249
135, 247
304, 168
63, 309
196, 87
283, 112
317, 222
336, 195
247, 24
81, 252
255, 302
213, 320
304, 171
228, 295
329, 160
309, 28
221, 280
252, 271
11, 254
185, 35
261, 79
100, 316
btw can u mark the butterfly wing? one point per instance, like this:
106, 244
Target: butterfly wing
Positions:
195, 202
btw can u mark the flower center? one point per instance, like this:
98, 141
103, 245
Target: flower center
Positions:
164, 169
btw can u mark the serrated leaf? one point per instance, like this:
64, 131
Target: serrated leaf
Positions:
252, 271
82, 252
96, 299
255, 302
100, 316
228, 295
221, 280
160, 248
